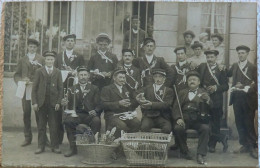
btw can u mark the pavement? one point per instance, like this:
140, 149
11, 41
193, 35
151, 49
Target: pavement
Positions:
14, 155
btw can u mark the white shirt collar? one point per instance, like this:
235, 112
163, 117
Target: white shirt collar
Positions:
127, 66
31, 56
149, 58
157, 87
119, 87
242, 64
182, 63
69, 53
47, 68
135, 31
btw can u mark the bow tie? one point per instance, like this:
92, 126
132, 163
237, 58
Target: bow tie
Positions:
193, 91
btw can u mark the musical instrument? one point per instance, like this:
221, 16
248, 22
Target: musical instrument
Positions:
66, 110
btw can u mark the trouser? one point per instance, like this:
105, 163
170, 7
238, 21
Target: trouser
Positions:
48, 114
72, 122
60, 126
181, 136
155, 122
125, 125
215, 136
244, 118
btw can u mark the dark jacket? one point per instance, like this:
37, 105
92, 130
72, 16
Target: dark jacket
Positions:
59, 61
178, 78
39, 87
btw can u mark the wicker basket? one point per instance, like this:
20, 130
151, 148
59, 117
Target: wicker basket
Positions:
97, 153
146, 148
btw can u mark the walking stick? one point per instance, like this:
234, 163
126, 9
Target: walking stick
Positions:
178, 101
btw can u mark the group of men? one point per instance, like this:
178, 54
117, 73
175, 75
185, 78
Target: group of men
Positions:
172, 98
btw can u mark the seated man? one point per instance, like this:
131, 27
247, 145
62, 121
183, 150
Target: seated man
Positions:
190, 112
86, 106
116, 99
156, 101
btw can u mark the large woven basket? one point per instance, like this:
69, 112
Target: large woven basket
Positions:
97, 153
144, 148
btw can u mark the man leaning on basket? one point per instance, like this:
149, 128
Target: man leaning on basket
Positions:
190, 111
84, 99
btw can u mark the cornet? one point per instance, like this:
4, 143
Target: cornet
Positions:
72, 112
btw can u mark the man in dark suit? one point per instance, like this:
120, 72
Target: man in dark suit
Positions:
117, 99
243, 72
67, 61
102, 63
84, 98
133, 76
156, 102
47, 93
25, 71
134, 38
149, 61
191, 112
215, 81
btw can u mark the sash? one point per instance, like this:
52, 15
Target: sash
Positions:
103, 56
243, 72
180, 72
156, 95
131, 78
147, 69
212, 75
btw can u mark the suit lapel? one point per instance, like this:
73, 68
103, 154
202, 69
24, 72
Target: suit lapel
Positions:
115, 89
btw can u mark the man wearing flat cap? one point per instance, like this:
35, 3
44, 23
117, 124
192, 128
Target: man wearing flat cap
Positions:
47, 92
191, 112
156, 102
84, 98
198, 56
215, 81
68, 61
25, 71
116, 102
102, 63
133, 38
150, 61
188, 37
243, 74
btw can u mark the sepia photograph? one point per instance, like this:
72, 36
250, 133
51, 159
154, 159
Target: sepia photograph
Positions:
129, 83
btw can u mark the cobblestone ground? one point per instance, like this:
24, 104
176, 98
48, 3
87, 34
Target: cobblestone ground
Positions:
15, 155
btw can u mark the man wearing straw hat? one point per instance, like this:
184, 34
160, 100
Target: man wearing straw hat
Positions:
102, 63
25, 71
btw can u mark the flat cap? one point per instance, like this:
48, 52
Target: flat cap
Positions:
49, 53
189, 32
192, 73
217, 36
243, 47
69, 36
215, 52
179, 48
127, 50
158, 71
148, 40
196, 44
103, 36
33, 41
82, 68
118, 70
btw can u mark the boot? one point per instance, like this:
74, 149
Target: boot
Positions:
72, 151
225, 143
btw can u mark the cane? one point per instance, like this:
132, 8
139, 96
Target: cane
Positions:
178, 101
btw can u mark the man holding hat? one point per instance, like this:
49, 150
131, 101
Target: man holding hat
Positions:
133, 38
188, 37
102, 63
191, 112
119, 105
243, 73
84, 98
47, 92
215, 81
198, 56
25, 71
150, 61
156, 102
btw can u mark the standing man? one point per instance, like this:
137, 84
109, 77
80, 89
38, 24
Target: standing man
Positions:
198, 56
133, 76
67, 61
86, 105
188, 37
102, 63
116, 99
134, 38
243, 72
156, 102
25, 71
47, 93
149, 61
190, 112
215, 81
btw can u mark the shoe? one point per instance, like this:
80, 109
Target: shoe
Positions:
200, 159
71, 152
254, 153
25, 143
174, 147
211, 149
242, 149
187, 155
39, 150
56, 150
225, 143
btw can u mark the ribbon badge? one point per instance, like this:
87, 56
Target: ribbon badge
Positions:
127, 94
